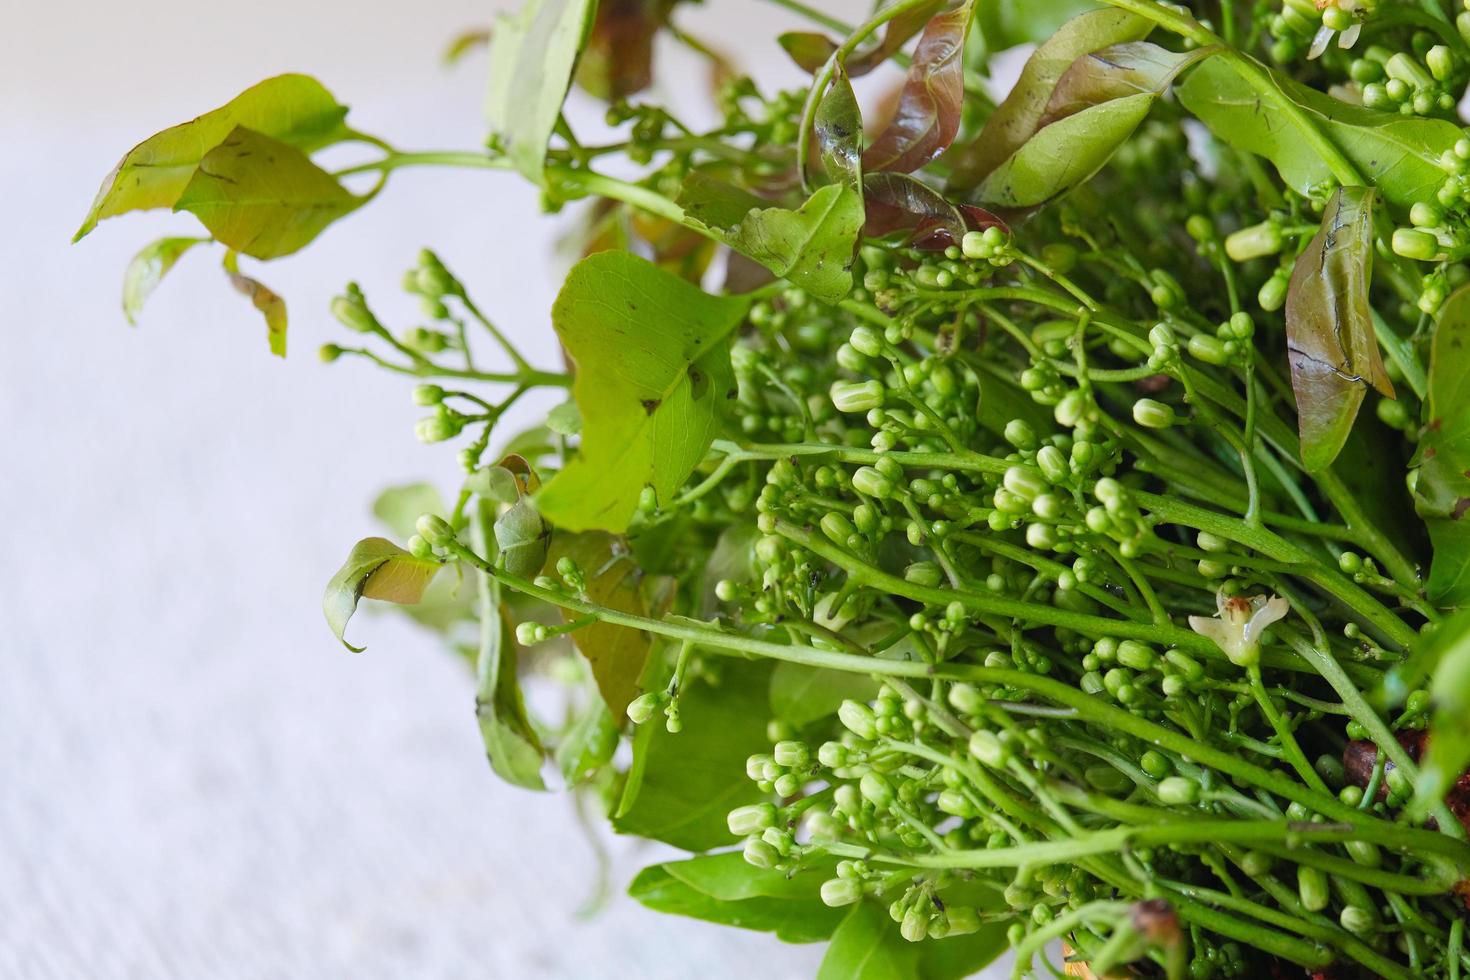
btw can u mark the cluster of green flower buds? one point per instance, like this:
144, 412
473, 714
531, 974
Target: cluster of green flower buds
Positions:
1402, 82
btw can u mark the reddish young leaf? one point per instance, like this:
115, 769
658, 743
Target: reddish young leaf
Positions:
811, 51
617, 60
1329, 327
928, 115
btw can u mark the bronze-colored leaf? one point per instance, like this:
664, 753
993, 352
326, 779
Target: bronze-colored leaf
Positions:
1329, 327
928, 115
617, 60
810, 51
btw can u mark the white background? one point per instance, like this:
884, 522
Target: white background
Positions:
195, 780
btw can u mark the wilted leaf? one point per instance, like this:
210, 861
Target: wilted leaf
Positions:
1329, 327
532, 54
1020, 115
653, 367
617, 654
263, 197
265, 300
928, 113
1397, 154
376, 569
464, 42
293, 109
1442, 485
147, 269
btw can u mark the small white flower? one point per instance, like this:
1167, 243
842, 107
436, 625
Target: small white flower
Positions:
1241, 624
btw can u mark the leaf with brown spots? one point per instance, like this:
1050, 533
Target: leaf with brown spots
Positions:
263, 197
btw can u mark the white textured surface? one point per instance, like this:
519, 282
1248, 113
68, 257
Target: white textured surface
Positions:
195, 780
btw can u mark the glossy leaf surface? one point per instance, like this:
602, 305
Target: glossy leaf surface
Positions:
928, 113
1329, 327
839, 130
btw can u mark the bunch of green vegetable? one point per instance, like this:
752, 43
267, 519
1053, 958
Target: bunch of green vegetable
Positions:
1003, 552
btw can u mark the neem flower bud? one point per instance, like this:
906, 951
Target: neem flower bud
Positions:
856, 396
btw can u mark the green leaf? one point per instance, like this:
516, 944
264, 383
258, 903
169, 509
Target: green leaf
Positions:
801, 695
1448, 748
724, 889
868, 946
838, 127
565, 419
681, 786
1064, 154
1397, 154
1097, 104
1329, 327
1116, 72
376, 569
617, 654
511, 743
928, 113
1442, 484
294, 109
653, 368
266, 300
1020, 115
1006, 23
812, 246
588, 744
532, 55
147, 269
263, 197
400, 507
